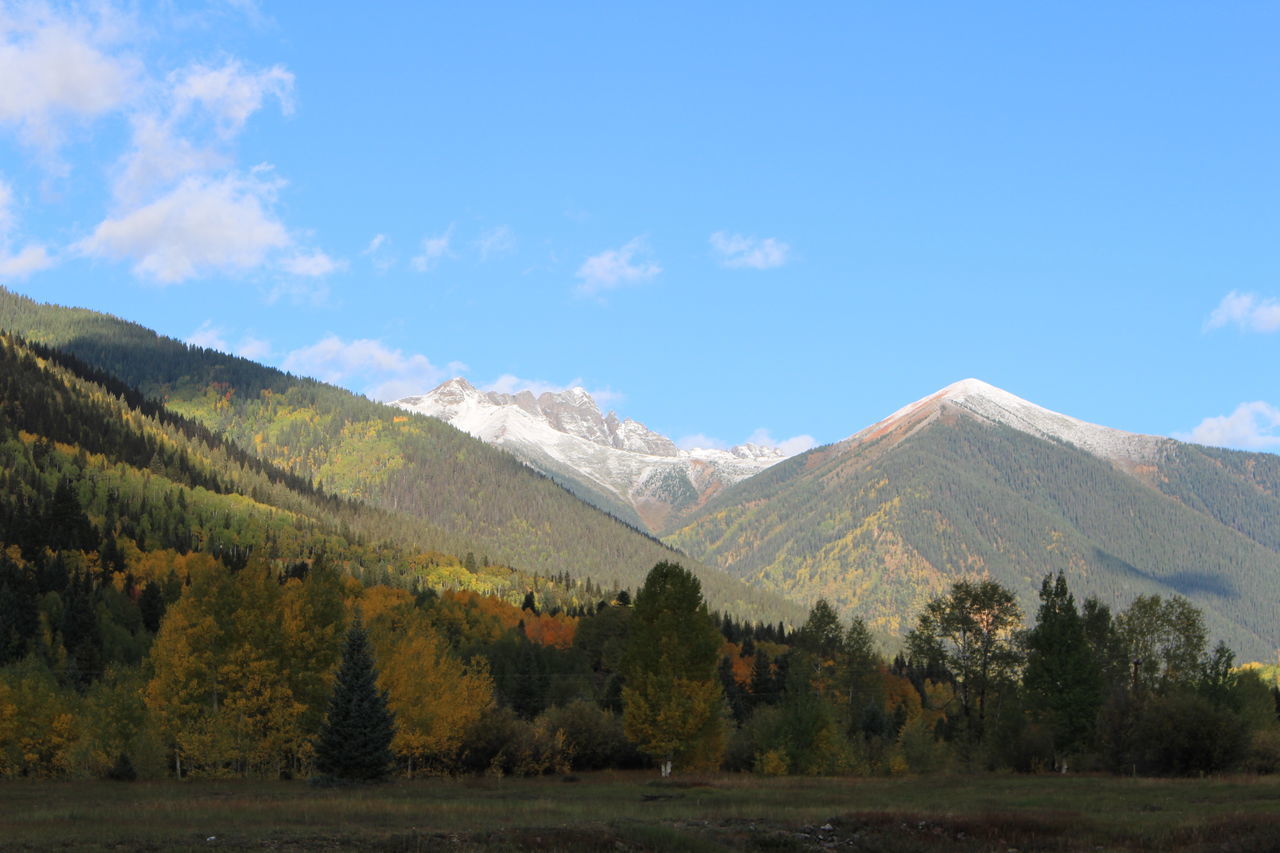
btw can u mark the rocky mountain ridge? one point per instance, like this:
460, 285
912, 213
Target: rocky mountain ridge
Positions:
618, 464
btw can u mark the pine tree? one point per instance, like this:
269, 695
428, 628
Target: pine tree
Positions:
355, 742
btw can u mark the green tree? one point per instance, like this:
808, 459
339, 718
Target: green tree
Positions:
355, 742
1165, 640
859, 672
1063, 681
971, 631
672, 704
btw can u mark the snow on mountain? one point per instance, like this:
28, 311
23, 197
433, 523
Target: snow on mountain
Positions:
988, 403
565, 432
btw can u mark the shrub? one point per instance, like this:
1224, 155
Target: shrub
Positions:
593, 737
122, 770
1183, 734
502, 744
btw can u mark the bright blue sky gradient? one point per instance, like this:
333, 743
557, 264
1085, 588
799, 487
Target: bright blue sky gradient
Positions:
1075, 202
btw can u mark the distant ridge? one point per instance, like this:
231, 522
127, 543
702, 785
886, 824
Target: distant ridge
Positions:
619, 465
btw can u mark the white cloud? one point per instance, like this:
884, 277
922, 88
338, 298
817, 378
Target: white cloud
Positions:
213, 337
6, 209
789, 446
29, 260
510, 384
383, 373
1252, 426
22, 263
698, 441
433, 249
253, 348
203, 225
299, 291
157, 159
737, 251
617, 267
378, 253
230, 94
496, 241
1246, 310
56, 70
314, 265
209, 336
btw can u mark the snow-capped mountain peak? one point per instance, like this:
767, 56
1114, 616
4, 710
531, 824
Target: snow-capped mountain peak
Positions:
564, 431
986, 402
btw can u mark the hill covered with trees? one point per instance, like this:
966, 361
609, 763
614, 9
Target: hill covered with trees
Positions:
878, 526
462, 495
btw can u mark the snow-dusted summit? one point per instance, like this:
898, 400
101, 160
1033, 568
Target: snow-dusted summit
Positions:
995, 405
619, 464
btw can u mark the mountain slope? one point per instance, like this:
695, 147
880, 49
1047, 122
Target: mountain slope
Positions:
975, 480
466, 495
620, 466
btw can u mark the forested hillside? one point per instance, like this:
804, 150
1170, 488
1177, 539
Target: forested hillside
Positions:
465, 495
92, 468
881, 526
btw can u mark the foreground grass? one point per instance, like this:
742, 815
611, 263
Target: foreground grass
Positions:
626, 811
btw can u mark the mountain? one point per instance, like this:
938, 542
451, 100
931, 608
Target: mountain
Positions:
460, 494
973, 479
621, 466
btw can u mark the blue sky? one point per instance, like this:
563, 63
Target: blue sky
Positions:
729, 220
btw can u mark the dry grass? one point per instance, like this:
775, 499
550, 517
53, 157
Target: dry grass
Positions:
629, 811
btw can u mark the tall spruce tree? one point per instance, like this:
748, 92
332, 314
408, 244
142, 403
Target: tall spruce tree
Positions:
355, 742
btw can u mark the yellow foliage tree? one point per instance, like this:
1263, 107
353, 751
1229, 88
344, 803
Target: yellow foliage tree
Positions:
672, 702
221, 693
674, 718
37, 722
436, 698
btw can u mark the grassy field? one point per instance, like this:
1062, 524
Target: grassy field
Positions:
624, 811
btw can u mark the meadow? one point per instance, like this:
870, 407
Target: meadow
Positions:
636, 811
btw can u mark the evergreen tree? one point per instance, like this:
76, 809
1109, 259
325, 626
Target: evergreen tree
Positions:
355, 742
1063, 679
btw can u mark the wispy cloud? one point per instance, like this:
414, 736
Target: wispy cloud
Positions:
229, 94
312, 264
789, 446
510, 384
378, 252
1248, 311
433, 249
762, 437
613, 268
700, 441
1252, 426
739, 252
213, 337
495, 242
23, 262
383, 373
